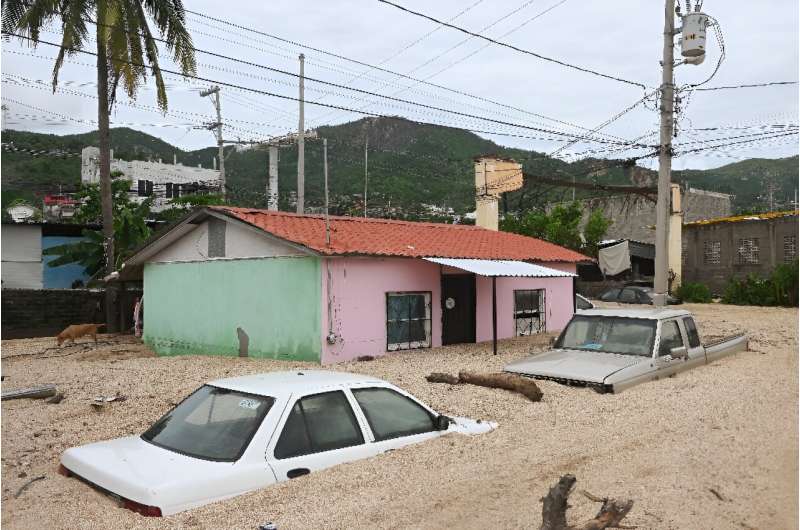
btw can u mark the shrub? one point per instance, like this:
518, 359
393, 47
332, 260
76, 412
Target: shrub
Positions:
780, 289
694, 292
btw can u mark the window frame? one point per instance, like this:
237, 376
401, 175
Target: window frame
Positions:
691, 330
789, 248
314, 450
541, 312
661, 336
712, 252
748, 251
427, 322
354, 391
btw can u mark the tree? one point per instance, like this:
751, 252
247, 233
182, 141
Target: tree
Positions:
125, 51
561, 226
130, 231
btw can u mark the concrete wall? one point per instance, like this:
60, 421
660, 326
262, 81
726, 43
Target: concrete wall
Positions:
45, 313
358, 302
196, 307
633, 215
22, 256
769, 232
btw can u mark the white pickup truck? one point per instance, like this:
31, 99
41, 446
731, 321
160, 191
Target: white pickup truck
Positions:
611, 350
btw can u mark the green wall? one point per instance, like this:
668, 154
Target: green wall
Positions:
195, 308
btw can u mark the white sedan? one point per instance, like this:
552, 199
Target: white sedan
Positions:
240, 434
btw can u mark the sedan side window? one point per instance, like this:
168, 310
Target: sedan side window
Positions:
628, 296
391, 414
610, 296
317, 423
670, 338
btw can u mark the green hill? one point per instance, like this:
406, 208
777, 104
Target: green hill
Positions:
409, 164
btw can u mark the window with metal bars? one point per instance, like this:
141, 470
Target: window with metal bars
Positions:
529, 312
747, 253
684, 252
408, 320
789, 249
711, 252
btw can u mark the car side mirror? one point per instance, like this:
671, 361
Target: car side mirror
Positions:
442, 423
679, 353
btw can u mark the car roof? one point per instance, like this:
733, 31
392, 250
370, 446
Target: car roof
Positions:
655, 314
279, 384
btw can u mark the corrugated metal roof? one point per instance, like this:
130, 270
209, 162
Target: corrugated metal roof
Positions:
484, 267
740, 218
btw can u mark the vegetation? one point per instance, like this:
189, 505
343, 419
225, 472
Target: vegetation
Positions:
561, 226
780, 289
130, 230
409, 164
125, 53
694, 292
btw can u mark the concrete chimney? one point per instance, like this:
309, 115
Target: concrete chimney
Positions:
493, 176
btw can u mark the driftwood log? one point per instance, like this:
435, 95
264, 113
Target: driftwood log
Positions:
514, 383
554, 509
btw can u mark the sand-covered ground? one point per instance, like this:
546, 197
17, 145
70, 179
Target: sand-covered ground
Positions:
730, 427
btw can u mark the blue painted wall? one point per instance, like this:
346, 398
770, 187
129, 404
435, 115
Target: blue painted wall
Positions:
63, 276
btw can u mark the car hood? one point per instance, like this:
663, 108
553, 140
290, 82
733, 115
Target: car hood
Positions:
140, 471
470, 426
575, 365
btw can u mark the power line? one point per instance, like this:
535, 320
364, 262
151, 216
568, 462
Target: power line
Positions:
752, 85
337, 85
381, 69
291, 98
512, 47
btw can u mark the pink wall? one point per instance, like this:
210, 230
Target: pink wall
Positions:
558, 304
359, 287
358, 301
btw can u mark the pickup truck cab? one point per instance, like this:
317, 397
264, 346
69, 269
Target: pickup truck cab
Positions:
611, 350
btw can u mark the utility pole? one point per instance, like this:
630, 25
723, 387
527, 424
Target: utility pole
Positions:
272, 188
663, 207
218, 125
325, 169
301, 144
366, 172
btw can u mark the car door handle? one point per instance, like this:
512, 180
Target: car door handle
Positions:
298, 472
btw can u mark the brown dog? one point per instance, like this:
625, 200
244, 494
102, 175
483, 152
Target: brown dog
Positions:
76, 331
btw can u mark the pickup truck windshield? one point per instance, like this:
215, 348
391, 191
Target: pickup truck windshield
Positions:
628, 336
213, 424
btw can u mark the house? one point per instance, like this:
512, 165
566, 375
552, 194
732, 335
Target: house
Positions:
716, 250
237, 281
24, 266
156, 180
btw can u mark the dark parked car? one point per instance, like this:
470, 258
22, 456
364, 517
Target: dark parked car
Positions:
633, 294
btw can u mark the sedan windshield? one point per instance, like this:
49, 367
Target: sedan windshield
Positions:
212, 424
628, 336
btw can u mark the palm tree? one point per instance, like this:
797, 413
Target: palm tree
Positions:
126, 50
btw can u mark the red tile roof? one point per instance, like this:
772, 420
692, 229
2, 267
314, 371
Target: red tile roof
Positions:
384, 237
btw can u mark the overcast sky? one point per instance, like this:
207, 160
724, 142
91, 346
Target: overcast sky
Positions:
623, 39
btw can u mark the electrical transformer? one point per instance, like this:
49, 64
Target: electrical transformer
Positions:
693, 35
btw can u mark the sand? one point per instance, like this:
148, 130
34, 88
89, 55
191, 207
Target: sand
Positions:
730, 426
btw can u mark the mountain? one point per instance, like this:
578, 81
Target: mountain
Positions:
410, 164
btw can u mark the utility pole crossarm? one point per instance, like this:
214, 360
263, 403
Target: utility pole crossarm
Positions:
214, 90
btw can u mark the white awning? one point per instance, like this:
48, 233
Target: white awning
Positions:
485, 267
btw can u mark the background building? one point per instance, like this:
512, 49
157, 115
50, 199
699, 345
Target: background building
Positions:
716, 250
162, 182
